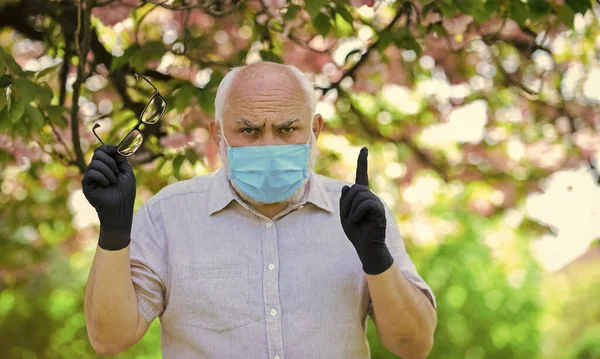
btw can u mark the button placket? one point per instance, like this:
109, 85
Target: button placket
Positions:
271, 290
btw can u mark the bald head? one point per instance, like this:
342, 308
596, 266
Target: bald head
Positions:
264, 77
262, 74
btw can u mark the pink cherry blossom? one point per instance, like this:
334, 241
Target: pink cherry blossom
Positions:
275, 4
175, 140
457, 24
116, 12
359, 3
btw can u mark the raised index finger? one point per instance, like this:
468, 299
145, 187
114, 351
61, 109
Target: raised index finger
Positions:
362, 177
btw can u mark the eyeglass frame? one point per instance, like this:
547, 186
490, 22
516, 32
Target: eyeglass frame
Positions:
140, 121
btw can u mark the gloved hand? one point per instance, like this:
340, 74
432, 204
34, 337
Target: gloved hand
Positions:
109, 186
363, 220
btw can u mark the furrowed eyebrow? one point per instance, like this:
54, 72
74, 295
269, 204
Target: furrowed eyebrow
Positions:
245, 122
288, 123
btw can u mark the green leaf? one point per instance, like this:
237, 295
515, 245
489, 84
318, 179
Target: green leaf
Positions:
270, 56
46, 74
16, 109
385, 38
3, 99
519, 12
56, 116
322, 24
492, 6
6, 157
124, 59
177, 162
565, 14
466, 6
5, 80
206, 100
291, 12
410, 43
341, 9
191, 156
474, 8
182, 97
44, 96
447, 10
24, 89
8, 62
34, 116
580, 6
342, 27
405, 40
314, 6
5, 122
437, 29
538, 7
215, 79
428, 7
240, 57
151, 50
276, 26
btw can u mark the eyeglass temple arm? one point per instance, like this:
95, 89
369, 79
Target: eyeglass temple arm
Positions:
95, 134
148, 81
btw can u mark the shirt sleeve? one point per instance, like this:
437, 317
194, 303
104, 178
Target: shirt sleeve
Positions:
397, 249
148, 264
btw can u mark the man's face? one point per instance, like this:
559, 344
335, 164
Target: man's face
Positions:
267, 108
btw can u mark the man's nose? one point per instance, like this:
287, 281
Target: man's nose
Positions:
269, 138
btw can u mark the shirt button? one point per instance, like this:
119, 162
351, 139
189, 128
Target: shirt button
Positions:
269, 224
273, 312
271, 266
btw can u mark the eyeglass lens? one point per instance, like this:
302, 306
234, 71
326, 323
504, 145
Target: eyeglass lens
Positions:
155, 109
131, 143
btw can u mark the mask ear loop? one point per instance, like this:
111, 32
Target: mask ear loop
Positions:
311, 133
225, 138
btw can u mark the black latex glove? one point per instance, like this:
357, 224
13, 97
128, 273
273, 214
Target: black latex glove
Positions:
109, 186
363, 219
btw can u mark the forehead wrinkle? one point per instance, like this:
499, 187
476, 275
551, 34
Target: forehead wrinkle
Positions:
248, 110
276, 96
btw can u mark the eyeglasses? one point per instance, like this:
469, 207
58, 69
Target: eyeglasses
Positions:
153, 111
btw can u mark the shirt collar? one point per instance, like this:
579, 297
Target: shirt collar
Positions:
222, 193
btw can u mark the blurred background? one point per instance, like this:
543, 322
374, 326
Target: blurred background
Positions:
481, 117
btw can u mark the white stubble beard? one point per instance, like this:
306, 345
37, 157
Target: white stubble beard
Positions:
294, 198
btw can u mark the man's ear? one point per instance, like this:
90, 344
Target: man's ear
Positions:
214, 129
317, 124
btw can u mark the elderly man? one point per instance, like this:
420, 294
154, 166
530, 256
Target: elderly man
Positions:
263, 258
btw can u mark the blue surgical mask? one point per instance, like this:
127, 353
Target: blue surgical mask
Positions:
268, 174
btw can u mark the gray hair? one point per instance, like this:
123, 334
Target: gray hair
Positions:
223, 90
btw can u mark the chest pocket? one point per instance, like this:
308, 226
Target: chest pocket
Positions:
216, 297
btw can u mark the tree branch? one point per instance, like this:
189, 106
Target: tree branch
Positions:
83, 44
352, 70
375, 134
64, 72
211, 7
